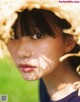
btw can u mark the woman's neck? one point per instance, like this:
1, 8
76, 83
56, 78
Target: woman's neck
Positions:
60, 78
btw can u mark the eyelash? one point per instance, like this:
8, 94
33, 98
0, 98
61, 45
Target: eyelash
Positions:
38, 36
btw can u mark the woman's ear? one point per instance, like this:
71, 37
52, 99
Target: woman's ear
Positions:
69, 43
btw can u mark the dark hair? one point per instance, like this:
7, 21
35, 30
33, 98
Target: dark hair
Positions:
42, 19
39, 18
74, 60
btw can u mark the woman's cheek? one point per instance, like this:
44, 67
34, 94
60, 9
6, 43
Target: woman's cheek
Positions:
45, 63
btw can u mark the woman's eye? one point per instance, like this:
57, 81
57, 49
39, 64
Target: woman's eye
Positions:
37, 36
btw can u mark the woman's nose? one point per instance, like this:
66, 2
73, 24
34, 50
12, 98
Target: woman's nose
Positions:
24, 49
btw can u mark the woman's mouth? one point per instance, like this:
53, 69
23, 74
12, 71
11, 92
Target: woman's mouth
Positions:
25, 68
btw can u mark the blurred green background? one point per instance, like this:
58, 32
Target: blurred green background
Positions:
12, 84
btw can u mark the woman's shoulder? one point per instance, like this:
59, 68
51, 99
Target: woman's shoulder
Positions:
73, 97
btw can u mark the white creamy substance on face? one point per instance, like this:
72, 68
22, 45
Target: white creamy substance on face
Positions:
42, 62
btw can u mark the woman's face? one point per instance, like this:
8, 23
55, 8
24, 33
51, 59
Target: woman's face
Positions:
38, 54
36, 57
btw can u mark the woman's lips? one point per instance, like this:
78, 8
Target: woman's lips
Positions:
26, 68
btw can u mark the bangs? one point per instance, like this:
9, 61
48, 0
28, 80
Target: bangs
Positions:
44, 20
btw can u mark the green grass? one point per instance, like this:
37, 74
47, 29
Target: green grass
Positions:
12, 84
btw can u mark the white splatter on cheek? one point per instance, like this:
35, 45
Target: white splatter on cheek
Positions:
42, 63
45, 62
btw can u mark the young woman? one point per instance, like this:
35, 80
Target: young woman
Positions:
37, 46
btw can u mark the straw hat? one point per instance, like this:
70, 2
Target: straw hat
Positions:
8, 15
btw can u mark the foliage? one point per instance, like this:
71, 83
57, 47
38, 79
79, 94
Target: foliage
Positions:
12, 84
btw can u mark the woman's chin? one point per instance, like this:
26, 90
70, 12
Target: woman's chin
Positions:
29, 78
